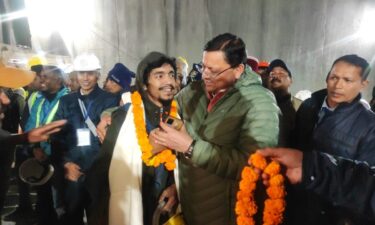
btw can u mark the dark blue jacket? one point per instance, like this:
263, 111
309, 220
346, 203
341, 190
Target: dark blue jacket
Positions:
348, 132
64, 144
349, 184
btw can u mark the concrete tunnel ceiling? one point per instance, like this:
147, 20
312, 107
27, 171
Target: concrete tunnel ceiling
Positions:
307, 35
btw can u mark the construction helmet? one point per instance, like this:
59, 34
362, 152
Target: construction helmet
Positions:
86, 62
36, 60
13, 77
34, 172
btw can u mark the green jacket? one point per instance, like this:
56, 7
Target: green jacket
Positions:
243, 120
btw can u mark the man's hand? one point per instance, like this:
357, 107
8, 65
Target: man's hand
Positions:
42, 133
291, 159
39, 154
102, 127
170, 196
178, 140
156, 147
72, 171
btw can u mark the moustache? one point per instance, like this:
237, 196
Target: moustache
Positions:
274, 78
167, 86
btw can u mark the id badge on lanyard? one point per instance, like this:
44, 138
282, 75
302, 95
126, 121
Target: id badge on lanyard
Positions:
83, 137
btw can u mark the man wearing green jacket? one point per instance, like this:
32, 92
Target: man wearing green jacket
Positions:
227, 116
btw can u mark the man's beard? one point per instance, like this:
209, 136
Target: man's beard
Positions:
166, 102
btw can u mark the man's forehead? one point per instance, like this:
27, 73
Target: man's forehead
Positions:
278, 68
346, 69
213, 58
165, 66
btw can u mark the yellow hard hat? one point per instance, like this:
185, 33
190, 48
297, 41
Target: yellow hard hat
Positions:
182, 59
37, 60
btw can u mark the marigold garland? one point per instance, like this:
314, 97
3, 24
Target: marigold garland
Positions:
166, 156
274, 206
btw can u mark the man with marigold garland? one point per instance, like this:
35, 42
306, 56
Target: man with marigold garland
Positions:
227, 116
129, 182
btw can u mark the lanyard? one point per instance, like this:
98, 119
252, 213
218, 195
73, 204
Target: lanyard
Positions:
85, 112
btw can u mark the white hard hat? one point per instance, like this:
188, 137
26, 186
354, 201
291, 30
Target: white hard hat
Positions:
86, 62
34, 172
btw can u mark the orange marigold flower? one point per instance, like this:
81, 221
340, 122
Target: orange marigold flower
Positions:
170, 165
277, 180
274, 206
146, 155
244, 184
272, 218
258, 161
252, 208
243, 196
155, 161
162, 156
249, 174
277, 205
275, 192
272, 169
171, 158
240, 208
243, 220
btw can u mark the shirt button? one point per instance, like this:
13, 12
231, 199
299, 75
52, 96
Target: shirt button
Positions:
312, 178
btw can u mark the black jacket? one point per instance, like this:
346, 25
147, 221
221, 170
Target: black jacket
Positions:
287, 119
345, 183
348, 132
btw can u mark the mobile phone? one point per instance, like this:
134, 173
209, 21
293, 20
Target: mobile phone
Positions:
174, 122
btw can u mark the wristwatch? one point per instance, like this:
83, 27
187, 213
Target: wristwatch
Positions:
189, 153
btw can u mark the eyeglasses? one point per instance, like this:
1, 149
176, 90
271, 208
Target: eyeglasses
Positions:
210, 74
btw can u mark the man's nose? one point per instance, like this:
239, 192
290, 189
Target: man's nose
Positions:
85, 75
169, 79
339, 83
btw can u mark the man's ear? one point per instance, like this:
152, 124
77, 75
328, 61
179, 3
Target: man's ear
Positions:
364, 83
239, 70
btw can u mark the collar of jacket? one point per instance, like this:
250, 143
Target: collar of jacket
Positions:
51, 97
320, 95
248, 77
283, 98
91, 95
153, 111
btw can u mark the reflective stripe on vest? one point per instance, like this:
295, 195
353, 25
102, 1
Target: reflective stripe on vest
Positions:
31, 100
50, 116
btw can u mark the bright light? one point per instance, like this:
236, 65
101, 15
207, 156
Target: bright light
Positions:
70, 18
13, 15
367, 28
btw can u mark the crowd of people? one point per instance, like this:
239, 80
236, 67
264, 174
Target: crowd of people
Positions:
176, 142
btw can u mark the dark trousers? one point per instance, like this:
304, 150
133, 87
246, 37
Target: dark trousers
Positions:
6, 159
76, 202
45, 210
